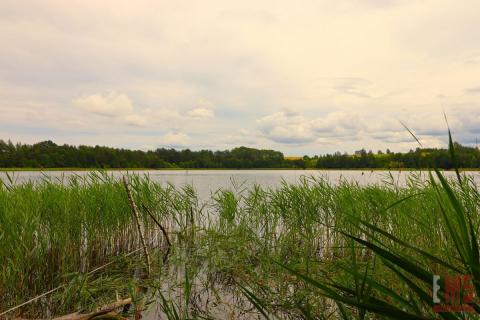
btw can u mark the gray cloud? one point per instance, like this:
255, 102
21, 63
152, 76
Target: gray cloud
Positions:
430, 127
145, 73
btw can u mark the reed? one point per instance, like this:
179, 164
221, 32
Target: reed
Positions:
309, 250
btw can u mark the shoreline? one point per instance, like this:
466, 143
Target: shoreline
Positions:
227, 169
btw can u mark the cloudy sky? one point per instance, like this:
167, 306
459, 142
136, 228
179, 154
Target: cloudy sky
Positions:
303, 77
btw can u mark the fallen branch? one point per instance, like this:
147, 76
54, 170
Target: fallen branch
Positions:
102, 311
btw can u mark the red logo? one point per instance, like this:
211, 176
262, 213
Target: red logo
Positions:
458, 293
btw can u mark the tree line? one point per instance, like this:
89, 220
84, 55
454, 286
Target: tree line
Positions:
467, 157
47, 154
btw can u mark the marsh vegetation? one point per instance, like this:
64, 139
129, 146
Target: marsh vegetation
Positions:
306, 250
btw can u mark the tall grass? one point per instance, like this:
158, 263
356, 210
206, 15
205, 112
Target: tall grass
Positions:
309, 250
51, 232
411, 269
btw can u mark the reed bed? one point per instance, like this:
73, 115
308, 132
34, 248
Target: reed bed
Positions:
297, 251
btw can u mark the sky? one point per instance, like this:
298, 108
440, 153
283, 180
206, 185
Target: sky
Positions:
302, 77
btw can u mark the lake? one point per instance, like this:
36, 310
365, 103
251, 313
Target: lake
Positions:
208, 181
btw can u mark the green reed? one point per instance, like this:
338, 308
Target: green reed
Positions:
306, 250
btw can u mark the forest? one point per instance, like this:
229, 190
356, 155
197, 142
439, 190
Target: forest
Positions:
47, 154
421, 158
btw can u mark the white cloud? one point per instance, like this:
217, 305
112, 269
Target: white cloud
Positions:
293, 127
111, 104
286, 127
202, 113
175, 139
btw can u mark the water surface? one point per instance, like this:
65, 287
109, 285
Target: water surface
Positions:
208, 181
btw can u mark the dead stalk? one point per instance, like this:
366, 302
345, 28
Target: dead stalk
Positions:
138, 223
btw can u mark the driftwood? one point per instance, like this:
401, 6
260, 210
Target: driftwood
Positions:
165, 234
138, 223
105, 311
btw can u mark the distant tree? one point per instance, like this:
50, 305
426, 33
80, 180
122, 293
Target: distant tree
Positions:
47, 154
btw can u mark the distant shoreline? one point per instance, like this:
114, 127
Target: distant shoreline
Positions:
225, 169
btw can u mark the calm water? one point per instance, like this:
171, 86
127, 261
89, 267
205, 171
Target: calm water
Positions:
208, 181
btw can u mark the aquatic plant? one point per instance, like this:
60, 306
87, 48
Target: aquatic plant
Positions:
308, 250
